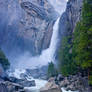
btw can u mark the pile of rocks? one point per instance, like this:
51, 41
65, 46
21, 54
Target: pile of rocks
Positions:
6, 86
12, 84
73, 83
15, 85
23, 82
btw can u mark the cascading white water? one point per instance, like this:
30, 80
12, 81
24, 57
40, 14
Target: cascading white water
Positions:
48, 54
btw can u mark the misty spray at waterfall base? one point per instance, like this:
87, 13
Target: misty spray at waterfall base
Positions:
27, 61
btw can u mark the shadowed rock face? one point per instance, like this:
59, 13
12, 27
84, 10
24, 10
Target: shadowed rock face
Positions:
69, 19
3, 88
26, 25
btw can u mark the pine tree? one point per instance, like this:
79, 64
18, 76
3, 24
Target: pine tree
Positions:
52, 71
82, 44
3, 60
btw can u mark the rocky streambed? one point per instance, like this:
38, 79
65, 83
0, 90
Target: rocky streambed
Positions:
72, 83
22, 81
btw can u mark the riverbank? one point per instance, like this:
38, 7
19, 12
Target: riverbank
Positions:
72, 83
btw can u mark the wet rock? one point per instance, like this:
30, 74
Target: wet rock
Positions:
3, 87
26, 83
12, 87
38, 73
52, 79
24, 76
60, 77
51, 87
23, 82
64, 83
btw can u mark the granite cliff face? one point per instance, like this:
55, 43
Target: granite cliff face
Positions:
70, 17
26, 25
69, 20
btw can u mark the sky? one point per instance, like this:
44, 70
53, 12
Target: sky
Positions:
59, 5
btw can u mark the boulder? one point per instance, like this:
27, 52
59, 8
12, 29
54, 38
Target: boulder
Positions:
3, 87
27, 83
52, 79
60, 77
23, 76
13, 87
37, 73
24, 82
64, 83
50, 87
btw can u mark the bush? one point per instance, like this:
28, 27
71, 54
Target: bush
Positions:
4, 61
66, 64
52, 71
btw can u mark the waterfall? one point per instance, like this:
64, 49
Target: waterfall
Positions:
48, 54
26, 61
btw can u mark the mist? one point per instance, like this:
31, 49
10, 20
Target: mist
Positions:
59, 5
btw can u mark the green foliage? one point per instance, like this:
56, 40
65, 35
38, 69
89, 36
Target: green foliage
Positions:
4, 61
76, 48
87, 13
66, 64
82, 43
52, 71
90, 80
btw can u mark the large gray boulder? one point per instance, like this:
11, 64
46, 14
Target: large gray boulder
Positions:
23, 82
13, 87
26, 83
51, 87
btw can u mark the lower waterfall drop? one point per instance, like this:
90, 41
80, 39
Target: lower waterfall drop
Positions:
48, 54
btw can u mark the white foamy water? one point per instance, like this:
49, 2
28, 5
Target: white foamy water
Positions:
39, 83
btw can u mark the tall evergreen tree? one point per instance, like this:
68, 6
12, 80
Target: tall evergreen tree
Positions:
82, 44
